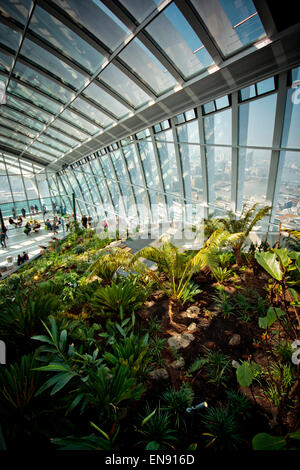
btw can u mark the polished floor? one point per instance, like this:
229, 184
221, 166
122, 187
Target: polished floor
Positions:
18, 242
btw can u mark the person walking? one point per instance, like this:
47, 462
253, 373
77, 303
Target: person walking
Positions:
23, 212
13, 210
32, 209
44, 210
36, 208
2, 239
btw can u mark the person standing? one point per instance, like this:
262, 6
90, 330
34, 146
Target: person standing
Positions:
23, 212
84, 221
32, 209
14, 212
36, 208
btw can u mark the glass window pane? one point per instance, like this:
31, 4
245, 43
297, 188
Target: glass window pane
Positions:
85, 125
58, 135
69, 129
253, 176
133, 164
6, 62
17, 188
119, 82
144, 64
223, 19
167, 156
265, 86
178, 40
17, 9
219, 175
14, 135
92, 112
256, 121
63, 39
9, 37
39, 100
41, 82
119, 166
217, 128
222, 102
140, 10
16, 127
209, 107
287, 195
248, 92
31, 189
28, 109
53, 143
46, 148
188, 132
105, 100
149, 163
98, 19
191, 171
291, 134
5, 194
48, 61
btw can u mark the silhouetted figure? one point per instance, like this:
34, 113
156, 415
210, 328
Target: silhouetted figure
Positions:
36, 208
14, 212
2, 239
84, 221
23, 212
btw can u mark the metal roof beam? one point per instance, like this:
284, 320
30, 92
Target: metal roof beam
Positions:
200, 29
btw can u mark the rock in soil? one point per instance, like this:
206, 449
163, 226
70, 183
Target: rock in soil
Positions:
159, 374
210, 345
235, 340
192, 327
180, 341
178, 364
191, 312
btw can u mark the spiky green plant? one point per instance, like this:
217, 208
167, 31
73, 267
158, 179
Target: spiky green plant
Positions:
177, 401
119, 298
222, 430
157, 431
107, 264
180, 267
247, 220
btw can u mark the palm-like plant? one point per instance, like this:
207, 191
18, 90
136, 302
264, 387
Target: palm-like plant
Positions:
119, 298
179, 268
245, 224
21, 319
107, 264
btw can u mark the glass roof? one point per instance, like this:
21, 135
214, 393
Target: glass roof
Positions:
75, 67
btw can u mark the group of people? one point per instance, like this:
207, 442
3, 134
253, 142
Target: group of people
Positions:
22, 258
86, 221
32, 225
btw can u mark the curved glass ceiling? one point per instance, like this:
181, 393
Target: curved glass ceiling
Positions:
75, 68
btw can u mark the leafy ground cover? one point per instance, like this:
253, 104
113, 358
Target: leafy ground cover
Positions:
104, 353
